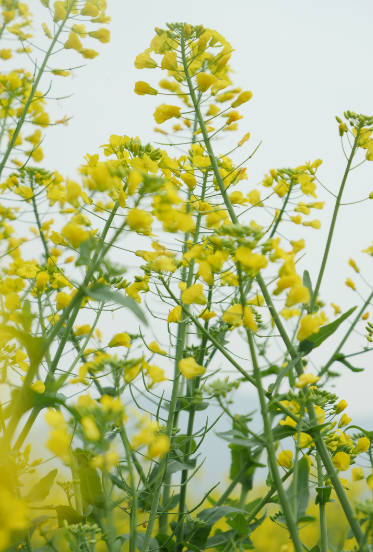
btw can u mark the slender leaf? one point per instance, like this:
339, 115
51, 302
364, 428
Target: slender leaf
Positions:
328, 330
69, 514
212, 515
41, 490
341, 358
104, 294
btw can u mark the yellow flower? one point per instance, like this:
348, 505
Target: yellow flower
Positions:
155, 373
163, 264
63, 300
13, 516
206, 315
73, 42
342, 405
345, 420
103, 35
205, 80
233, 315
297, 219
190, 369
288, 421
249, 319
349, 283
284, 459
145, 61
130, 373
289, 313
12, 302
320, 414
38, 386
106, 461
88, 53
316, 224
244, 139
193, 295
370, 481
365, 316
59, 11
242, 98
90, 429
153, 346
363, 445
75, 234
175, 315
309, 325
169, 61
306, 379
142, 88
165, 112
357, 474
90, 10
121, 340
336, 308
298, 294
251, 262
5, 53
159, 447
341, 461
140, 221
305, 440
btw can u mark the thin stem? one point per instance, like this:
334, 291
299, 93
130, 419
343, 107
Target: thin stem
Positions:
133, 520
279, 218
33, 90
233, 484
332, 225
322, 509
347, 335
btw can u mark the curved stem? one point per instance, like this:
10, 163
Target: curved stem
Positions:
332, 225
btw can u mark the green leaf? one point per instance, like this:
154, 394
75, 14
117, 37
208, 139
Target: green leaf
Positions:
282, 431
104, 294
315, 549
219, 538
41, 490
173, 466
323, 495
70, 515
212, 515
341, 358
328, 330
162, 538
305, 347
368, 434
302, 490
239, 525
90, 485
307, 281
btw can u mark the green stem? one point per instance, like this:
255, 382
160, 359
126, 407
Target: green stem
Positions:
319, 442
33, 90
332, 225
279, 218
233, 484
163, 463
290, 521
347, 335
28, 543
75, 476
133, 520
322, 509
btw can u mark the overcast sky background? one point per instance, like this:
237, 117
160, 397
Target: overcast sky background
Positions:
305, 62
